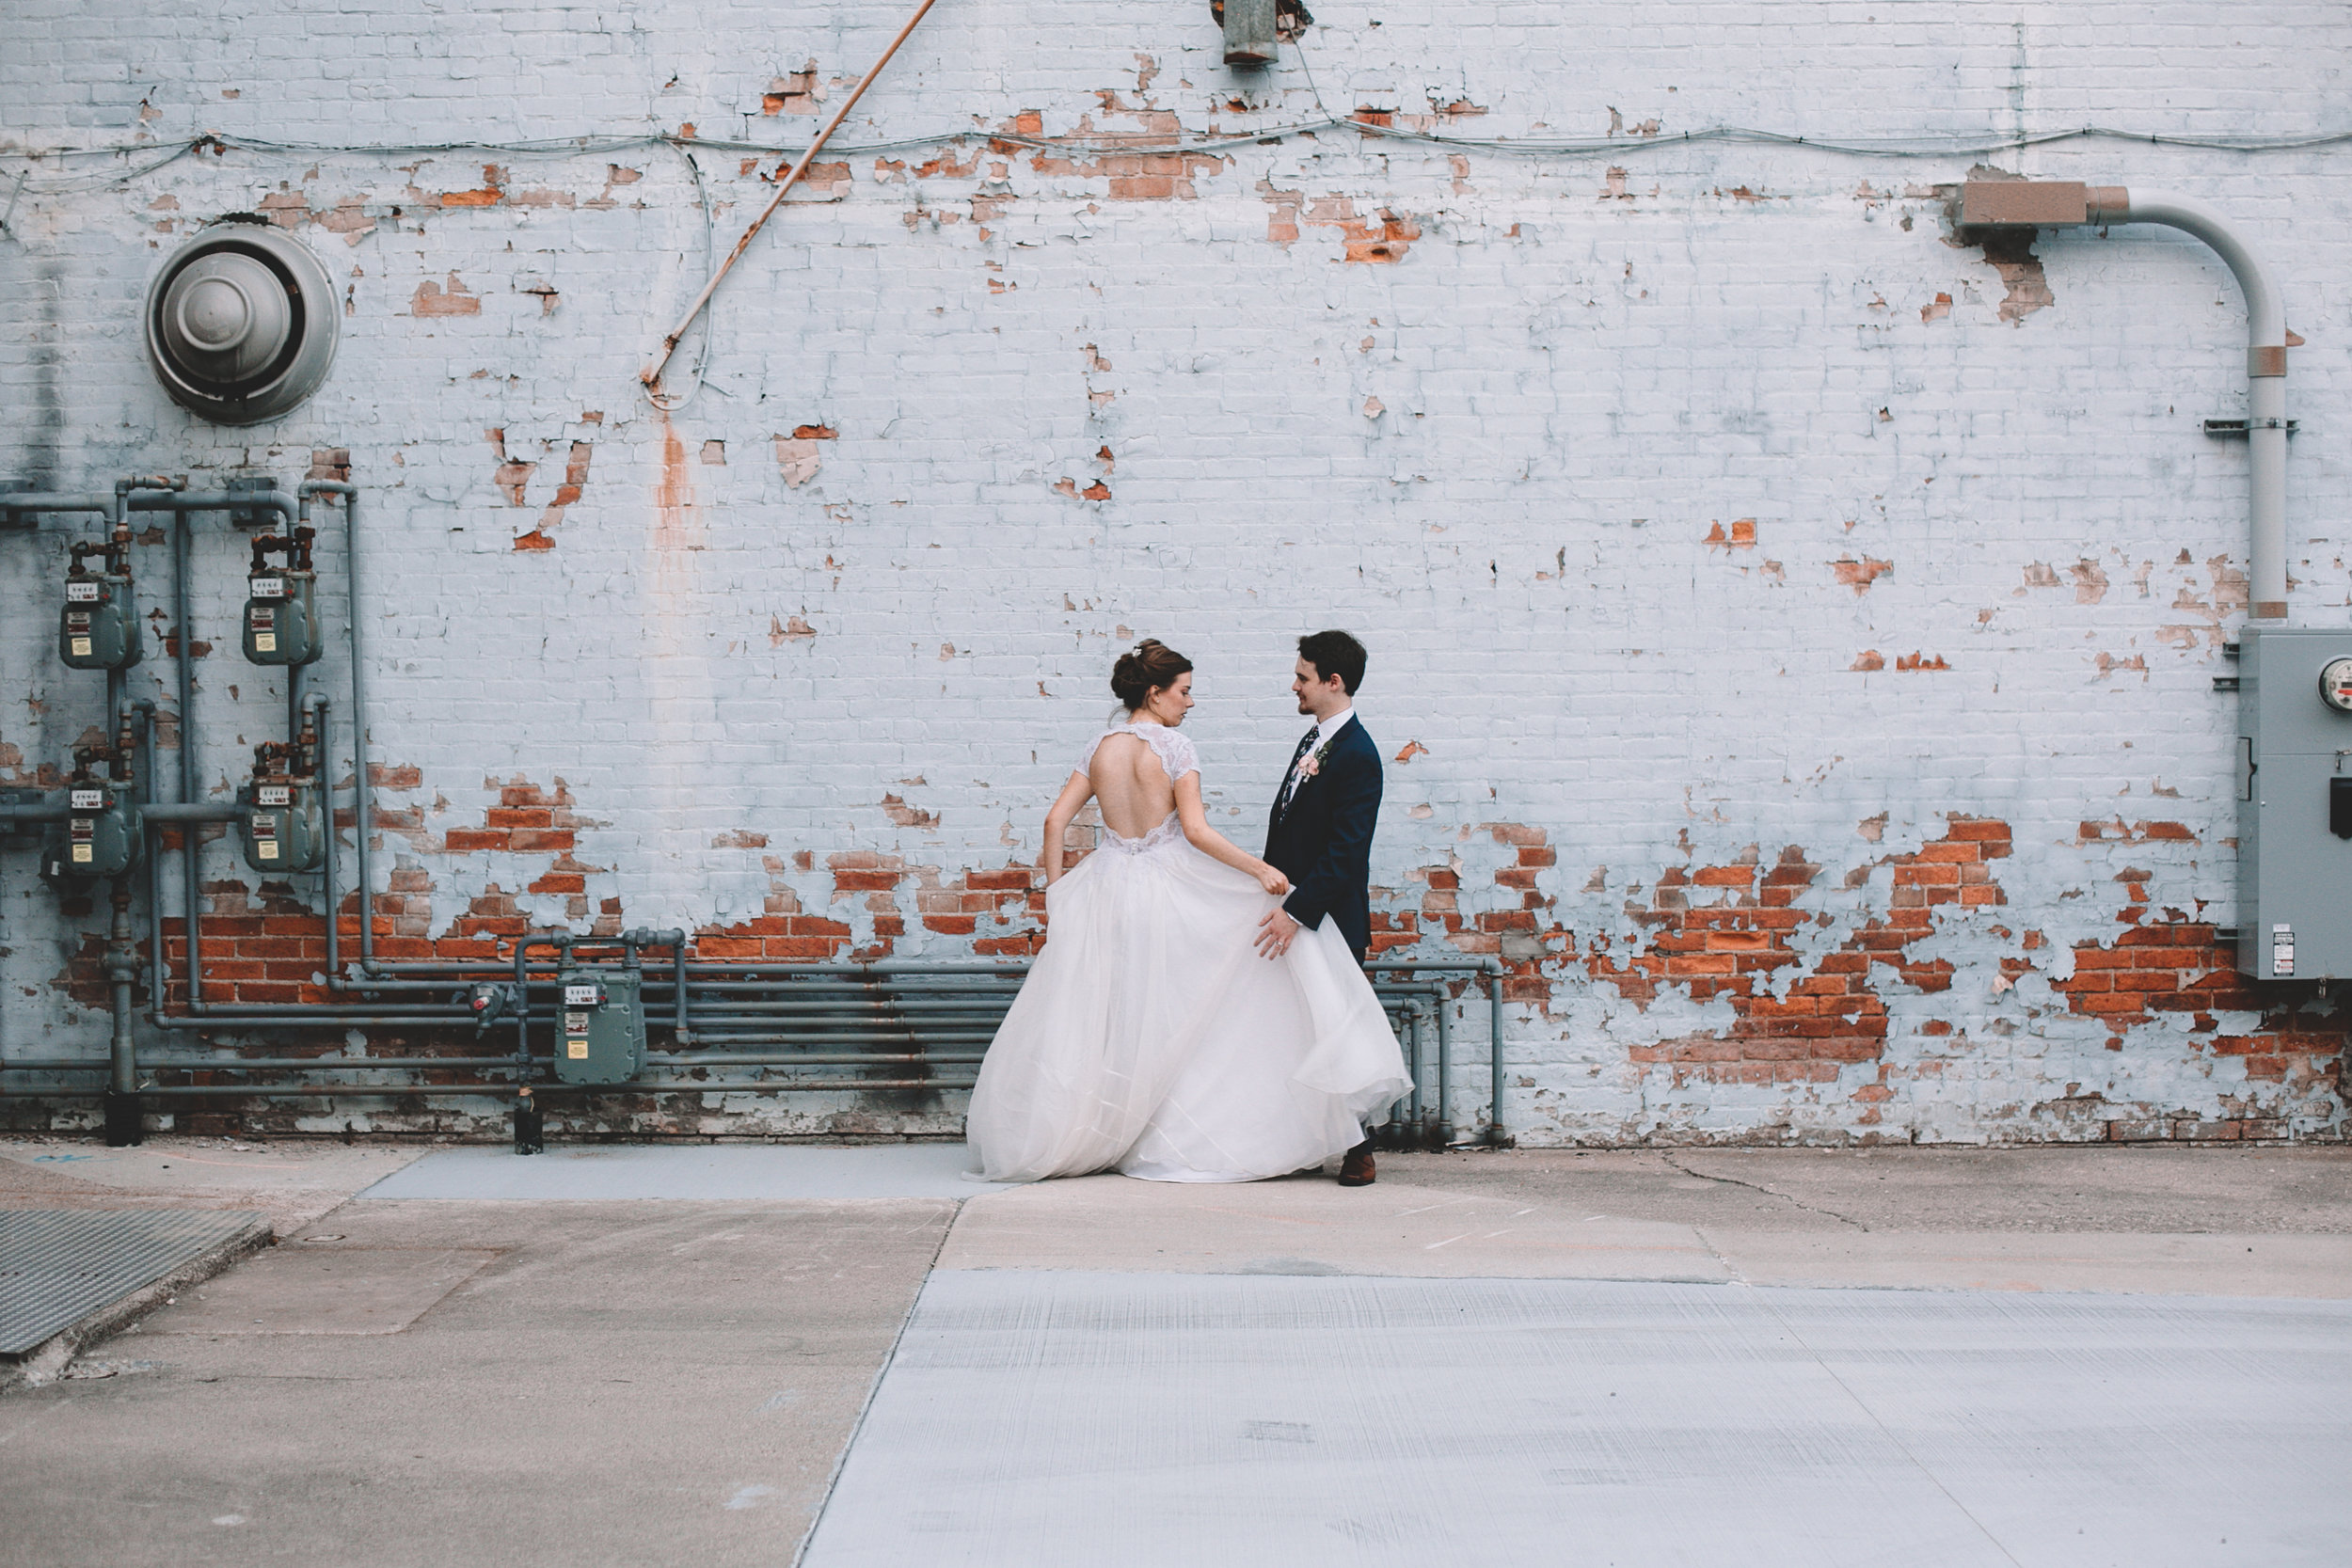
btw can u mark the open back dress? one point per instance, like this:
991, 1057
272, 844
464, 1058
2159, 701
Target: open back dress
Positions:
1152, 1037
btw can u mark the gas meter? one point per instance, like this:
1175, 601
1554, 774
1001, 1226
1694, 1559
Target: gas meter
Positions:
281, 624
283, 816
602, 1034
100, 837
98, 628
285, 827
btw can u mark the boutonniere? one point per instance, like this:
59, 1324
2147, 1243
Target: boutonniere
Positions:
1312, 762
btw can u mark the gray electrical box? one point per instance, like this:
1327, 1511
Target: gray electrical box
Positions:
601, 1037
2294, 804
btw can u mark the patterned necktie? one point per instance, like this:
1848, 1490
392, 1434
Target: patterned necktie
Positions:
1292, 780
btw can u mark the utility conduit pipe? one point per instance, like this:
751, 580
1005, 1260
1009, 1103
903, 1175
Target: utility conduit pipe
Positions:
651, 375
181, 504
2066, 203
360, 784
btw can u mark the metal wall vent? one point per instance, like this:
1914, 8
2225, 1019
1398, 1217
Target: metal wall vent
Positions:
241, 324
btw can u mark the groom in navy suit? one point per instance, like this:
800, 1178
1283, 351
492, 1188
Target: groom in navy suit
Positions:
1320, 834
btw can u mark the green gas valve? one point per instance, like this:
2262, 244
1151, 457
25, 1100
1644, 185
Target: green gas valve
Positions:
100, 837
285, 826
98, 628
281, 622
602, 1038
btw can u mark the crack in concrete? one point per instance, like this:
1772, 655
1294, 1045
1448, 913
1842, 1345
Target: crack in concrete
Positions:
1758, 1187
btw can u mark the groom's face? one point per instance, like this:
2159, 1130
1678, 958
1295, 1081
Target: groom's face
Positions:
1316, 695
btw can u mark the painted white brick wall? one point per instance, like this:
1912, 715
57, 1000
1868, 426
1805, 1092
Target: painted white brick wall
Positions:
1579, 464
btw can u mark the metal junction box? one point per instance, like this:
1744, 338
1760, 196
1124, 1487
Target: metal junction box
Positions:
99, 838
285, 827
282, 623
97, 627
601, 1037
2294, 804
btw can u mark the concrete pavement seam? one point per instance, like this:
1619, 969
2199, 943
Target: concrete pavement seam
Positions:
816, 1514
1764, 1298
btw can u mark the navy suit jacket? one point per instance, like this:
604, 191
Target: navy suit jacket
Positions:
1323, 843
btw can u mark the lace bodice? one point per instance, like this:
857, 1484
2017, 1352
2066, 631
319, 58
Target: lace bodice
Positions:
1174, 750
1176, 754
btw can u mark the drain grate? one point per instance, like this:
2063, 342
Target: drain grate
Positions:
59, 1265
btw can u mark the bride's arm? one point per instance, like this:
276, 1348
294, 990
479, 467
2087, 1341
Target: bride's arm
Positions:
1073, 796
1216, 845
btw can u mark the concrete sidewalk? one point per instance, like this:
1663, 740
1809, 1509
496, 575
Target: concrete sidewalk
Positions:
1530, 1352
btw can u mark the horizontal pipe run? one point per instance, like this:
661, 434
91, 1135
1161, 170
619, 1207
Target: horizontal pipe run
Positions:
923, 1045
212, 500
198, 810
386, 1091
444, 1064
57, 501
697, 1058
303, 1016
248, 1064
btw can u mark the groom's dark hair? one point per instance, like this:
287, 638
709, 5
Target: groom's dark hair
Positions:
1335, 652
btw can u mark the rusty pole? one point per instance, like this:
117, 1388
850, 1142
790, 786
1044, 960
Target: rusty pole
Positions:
651, 375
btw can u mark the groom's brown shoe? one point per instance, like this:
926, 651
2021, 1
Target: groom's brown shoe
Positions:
1356, 1167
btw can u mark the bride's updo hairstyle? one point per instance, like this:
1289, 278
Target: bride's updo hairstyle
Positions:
1150, 663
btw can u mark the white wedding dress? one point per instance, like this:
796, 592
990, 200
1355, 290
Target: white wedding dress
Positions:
1152, 1039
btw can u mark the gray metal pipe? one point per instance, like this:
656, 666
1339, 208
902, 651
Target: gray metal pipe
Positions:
194, 810
58, 500
1494, 1135
812, 1058
173, 1023
443, 1064
215, 500
1443, 1005
395, 1091
250, 1064
151, 868
355, 629
2265, 373
2062, 203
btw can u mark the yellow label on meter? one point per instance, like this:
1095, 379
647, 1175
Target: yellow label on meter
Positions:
81, 647
265, 848
576, 1049
263, 642
82, 854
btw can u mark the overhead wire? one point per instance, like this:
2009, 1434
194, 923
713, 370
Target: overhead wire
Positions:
1932, 145
661, 398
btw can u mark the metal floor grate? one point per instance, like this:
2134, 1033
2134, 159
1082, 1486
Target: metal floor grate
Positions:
59, 1265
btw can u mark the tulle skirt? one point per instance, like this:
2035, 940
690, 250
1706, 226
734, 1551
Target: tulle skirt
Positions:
1152, 1037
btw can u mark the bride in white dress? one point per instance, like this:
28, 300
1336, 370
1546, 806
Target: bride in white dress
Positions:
1150, 1037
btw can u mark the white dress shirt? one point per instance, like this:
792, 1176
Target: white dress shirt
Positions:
1325, 730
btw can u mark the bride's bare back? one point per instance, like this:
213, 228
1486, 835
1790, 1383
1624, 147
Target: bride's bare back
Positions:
1132, 786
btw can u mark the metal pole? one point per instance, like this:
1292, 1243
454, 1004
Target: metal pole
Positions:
1444, 1003
651, 375
355, 629
1494, 1135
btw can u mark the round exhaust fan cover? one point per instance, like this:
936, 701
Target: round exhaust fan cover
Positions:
241, 324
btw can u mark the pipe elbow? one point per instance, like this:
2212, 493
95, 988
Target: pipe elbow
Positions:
2266, 316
